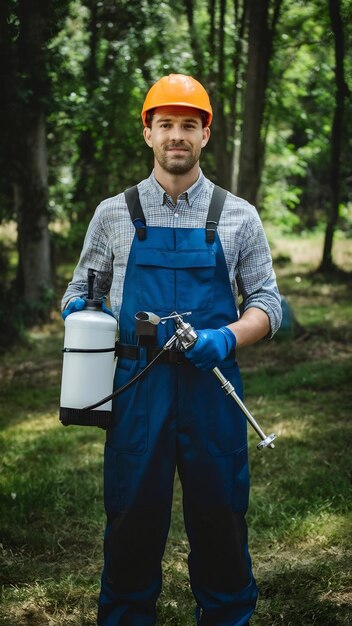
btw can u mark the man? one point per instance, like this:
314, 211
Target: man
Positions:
170, 255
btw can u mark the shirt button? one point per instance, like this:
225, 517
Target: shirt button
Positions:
176, 214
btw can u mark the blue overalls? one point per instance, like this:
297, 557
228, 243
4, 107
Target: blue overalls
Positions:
176, 416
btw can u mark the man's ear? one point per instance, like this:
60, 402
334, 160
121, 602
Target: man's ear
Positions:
206, 136
147, 136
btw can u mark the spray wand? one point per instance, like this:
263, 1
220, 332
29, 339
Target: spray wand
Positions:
187, 337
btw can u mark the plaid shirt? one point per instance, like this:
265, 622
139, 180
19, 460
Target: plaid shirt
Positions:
110, 233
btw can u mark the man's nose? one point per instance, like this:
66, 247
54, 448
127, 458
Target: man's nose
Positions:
177, 133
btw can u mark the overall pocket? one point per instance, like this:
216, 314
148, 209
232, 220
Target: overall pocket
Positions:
176, 279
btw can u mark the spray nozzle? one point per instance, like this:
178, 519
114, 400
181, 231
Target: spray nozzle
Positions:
147, 325
152, 318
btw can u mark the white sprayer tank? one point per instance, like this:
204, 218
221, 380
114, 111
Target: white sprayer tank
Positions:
88, 367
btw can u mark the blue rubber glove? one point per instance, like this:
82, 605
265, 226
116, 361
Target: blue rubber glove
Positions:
73, 306
78, 304
211, 347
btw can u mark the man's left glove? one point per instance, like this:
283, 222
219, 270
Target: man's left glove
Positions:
211, 347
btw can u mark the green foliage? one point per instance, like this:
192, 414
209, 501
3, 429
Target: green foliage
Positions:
293, 98
296, 192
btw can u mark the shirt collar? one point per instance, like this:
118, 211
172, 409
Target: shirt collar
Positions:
189, 195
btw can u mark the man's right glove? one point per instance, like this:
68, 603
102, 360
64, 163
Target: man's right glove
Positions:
77, 304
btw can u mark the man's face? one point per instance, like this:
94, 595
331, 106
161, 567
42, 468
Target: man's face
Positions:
177, 137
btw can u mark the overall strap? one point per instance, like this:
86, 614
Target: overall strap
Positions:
213, 217
215, 209
136, 212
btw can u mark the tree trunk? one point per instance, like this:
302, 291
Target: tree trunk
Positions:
336, 133
260, 40
31, 199
197, 53
240, 10
31, 180
220, 141
222, 147
84, 195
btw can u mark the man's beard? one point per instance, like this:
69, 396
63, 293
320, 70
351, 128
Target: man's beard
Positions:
175, 165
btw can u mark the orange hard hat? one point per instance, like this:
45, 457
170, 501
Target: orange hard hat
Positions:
177, 90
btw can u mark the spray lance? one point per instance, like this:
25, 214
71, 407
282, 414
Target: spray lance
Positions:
184, 338
187, 337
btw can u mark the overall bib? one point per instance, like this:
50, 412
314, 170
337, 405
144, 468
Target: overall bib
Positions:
177, 416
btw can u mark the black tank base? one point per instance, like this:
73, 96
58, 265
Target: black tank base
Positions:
81, 417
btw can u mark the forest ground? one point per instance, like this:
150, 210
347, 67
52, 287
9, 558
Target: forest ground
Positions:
299, 518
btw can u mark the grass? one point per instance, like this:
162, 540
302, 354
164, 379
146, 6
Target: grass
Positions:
51, 512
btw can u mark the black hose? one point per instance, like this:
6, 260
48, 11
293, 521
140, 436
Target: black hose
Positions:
126, 385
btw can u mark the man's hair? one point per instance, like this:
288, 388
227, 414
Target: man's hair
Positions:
150, 114
149, 117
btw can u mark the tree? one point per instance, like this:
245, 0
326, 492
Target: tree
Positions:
28, 26
341, 92
260, 46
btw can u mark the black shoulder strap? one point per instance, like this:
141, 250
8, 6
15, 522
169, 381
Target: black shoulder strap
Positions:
214, 213
215, 209
136, 212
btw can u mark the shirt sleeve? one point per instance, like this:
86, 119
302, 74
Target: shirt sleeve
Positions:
256, 278
97, 255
